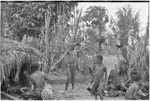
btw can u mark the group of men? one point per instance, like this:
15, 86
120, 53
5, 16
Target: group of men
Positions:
102, 85
113, 86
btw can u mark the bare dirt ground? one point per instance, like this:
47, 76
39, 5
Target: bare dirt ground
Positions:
82, 82
80, 92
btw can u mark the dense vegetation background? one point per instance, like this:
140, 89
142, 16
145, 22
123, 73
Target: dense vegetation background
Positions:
46, 30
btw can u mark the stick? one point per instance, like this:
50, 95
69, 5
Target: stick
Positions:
61, 58
9, 96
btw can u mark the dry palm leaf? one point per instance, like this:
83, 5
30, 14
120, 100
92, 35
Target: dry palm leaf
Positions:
12, 56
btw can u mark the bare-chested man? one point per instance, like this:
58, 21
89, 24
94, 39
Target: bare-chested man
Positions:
71, 62
37, 81
71, 65
132, 91
99, 81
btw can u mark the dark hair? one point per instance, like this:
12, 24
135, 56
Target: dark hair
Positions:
100, 57
78, 44
72, 47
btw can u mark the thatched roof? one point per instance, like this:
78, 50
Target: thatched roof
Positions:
8, 45
12, 54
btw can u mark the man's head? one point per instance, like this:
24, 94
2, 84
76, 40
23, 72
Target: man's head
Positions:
77, 46
99, 59
72, 47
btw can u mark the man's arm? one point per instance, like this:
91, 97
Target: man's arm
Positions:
105, 71
61, 58
32, 84
93, 72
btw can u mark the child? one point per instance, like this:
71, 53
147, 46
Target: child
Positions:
99, 73
132, 91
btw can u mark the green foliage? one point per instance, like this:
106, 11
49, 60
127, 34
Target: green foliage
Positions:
21, 18
126, 25
97, 16
26, 17
68, 26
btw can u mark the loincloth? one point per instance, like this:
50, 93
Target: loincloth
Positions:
98, 85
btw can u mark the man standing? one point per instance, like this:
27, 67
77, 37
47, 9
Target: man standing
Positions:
71, 60
99, 81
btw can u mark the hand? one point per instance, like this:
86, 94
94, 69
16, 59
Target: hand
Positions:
91, 81
52, 69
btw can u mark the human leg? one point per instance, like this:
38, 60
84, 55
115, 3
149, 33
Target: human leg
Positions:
72, 76
100, 90
68, 79
95, 86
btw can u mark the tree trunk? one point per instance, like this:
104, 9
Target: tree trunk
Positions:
124, 53
47, 32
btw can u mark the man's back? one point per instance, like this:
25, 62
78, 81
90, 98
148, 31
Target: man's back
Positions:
114, 77
38, 80
132, 90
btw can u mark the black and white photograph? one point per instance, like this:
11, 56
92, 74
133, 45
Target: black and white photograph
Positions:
74, 50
